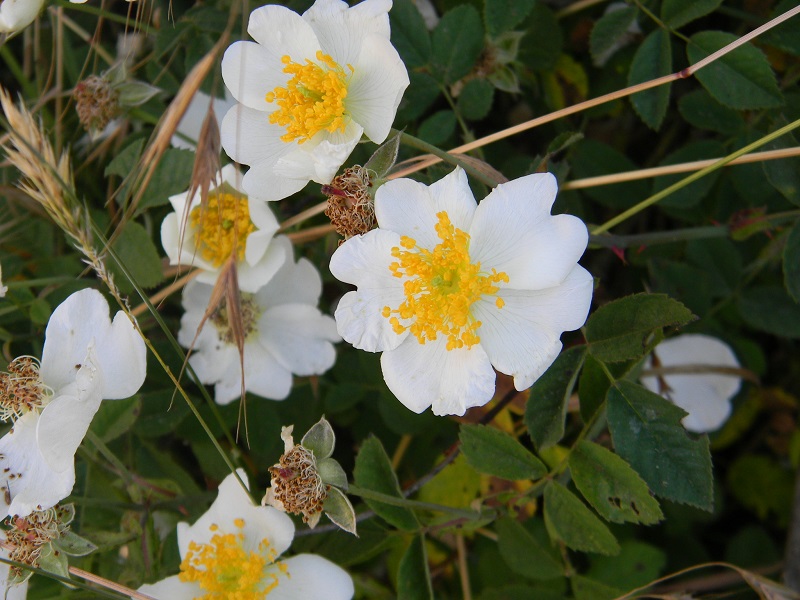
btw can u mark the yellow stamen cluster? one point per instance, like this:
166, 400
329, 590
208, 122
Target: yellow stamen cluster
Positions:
21, 390
226, 571
441, 286
313, 99
221, 227
297, 485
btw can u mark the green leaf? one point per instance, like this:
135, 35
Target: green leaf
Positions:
693, 193
39, 311
611, 486
592, 388
652, 59
647, 432
620, 330
172, 176
116, 418
703, 112
74, 545
409, 34
742, 79
785, 36
332, 473
592, 158
54, 560
437, 128
135, 93
763, 486
503, 15
523, 553
475, 99
770, 309
540, 48
546, 409
320, 439
124, 162
492, 451
569, 520
791, 262
137, 252
340, 511
636, 565
383, 159
457, 43
609, 32
784, 173
677, 13
413, 574
420, 94
373, 471
588, 589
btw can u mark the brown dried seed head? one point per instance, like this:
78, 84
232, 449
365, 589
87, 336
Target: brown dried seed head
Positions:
297, 485
96, 102
351, 208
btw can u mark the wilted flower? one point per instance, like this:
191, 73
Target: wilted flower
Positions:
230, 223
698, 373
308, 87
284, 333
16, 15
86, 358
232, 552
307, 481
448, 288
351, 208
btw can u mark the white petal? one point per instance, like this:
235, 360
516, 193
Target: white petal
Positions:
253, 277
249, 138
192, 121
64, 421
705, 396
311, 576
232, 502
320, 158
364, 261
299, 337
295, 282
81, 318
514, 232
340, 29
39, 486
250, 72
18, 14
421, 375
264, 375
376, 87
172, 588
281, 32
522, 338
409, 208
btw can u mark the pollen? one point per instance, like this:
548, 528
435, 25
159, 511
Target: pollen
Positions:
441, 286
221, 227
313, 99
225, 570
21, 389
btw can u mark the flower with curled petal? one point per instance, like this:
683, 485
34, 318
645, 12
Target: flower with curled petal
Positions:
308, 88
448, 289
86, 358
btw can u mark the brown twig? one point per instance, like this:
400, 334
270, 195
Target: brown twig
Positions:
108, 584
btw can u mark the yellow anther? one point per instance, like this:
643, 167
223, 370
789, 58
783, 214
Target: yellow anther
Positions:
225, 570
222, 227
313, 99
440, 288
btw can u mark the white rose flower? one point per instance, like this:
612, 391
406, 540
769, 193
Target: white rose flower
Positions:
86, 358
285, 333
705, 395
232, 551
16, 15
448, 288
335, 63
231, 222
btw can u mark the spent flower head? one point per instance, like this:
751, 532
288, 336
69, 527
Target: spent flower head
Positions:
307, 481
308, 88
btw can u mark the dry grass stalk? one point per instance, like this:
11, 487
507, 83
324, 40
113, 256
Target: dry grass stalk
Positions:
111, 585
48, 181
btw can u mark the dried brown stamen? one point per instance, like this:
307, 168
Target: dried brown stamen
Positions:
97, 103
351, 208
28, 535
21, 389
297, 484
